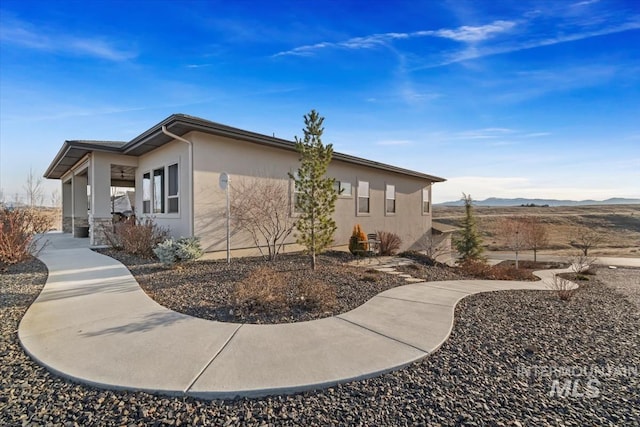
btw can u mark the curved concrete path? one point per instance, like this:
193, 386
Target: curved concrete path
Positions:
94, 324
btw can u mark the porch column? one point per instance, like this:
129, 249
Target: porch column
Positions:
67, 207
100, 217
80, 216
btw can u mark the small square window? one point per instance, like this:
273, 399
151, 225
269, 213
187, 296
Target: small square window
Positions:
342, 188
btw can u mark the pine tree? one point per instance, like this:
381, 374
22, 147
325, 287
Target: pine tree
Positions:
469, 244
316, 196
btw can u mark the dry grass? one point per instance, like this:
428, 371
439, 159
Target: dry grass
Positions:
619, 224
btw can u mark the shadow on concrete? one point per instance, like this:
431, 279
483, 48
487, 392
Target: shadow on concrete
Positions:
124, 285
147, 323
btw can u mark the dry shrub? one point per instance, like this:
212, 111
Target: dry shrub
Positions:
475, 268
136, 237
563, 288
389, 242
314, 294
263, 289
482, 270
18, 229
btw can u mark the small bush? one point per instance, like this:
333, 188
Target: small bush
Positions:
563, 288
389, 242
136, 237
356, 247
263, 289
172, 251
482, 270
316, 294
18, 229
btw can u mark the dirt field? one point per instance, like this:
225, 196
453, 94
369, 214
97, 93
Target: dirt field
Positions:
619, 226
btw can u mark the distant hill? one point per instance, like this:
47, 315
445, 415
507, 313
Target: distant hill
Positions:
494, 201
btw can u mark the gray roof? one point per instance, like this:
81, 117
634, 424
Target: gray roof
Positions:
181, 124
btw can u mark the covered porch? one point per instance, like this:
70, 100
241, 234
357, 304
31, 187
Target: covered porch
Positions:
96, 192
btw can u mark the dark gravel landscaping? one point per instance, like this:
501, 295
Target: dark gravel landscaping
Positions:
206, 288
478, 377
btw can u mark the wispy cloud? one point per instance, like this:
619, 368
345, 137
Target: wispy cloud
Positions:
394, 142
474, 52
465, 34
469, 34
23, 34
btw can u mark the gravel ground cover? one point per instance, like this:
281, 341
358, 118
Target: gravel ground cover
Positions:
626, 281
494, 370
206, 288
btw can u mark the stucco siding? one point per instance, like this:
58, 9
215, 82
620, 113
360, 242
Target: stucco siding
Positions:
242, 160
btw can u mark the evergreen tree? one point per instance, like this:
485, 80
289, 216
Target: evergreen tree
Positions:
469, 244
316, 196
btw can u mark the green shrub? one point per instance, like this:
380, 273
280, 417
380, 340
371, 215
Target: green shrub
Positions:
172, 251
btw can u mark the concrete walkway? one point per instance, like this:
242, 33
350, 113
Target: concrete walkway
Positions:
94, 324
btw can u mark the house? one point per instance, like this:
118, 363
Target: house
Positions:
174, 168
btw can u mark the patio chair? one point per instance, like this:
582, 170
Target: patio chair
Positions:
373, 245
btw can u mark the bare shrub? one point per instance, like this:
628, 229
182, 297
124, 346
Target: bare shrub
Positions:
18, 230
482, 270
263, 289
475, 268
431, 247
317, 295
260, 206
563, 288
389, 242
136, 237
582, 263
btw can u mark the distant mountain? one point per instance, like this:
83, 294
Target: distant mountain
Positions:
494, 201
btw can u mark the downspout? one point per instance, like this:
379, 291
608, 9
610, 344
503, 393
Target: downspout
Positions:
179, 138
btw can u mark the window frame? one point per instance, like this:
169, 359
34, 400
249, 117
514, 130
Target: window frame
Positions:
156, 179
341, 187
387, 199
146, 191
158, 204
360, 196
171, 197
426, 198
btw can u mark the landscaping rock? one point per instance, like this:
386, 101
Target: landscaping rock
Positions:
478, 377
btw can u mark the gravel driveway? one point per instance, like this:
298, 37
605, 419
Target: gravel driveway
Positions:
490, 372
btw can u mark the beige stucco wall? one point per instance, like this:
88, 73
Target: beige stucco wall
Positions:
173, 152
213, 155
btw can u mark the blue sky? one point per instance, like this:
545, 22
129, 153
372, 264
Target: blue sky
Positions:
507, 99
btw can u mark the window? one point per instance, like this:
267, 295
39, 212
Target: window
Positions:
426, 201
146, 193
363, 197
391, 199
173, 199
296, 193
342, 188
158, 190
